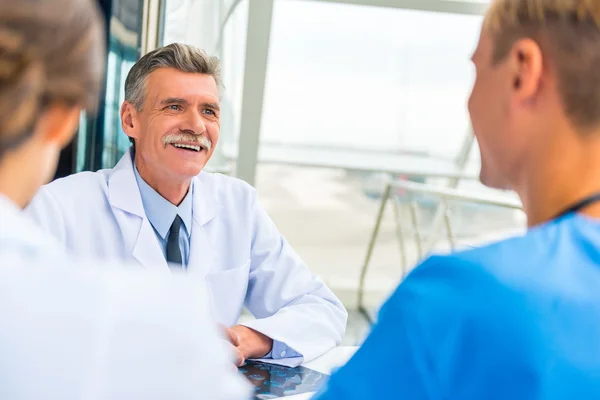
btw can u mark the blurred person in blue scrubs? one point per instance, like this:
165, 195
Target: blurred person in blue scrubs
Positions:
519, 319
74, 329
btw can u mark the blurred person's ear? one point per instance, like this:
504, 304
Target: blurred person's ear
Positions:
526, 65
58, 124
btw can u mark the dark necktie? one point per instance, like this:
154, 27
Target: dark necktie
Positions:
173, 250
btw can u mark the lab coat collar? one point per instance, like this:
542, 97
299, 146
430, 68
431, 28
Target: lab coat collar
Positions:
124, 194
123, 191
205, 206
137, 233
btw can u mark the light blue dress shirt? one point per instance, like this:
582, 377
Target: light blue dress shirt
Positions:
161, 214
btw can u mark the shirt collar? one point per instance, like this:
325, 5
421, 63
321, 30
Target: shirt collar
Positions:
160, 211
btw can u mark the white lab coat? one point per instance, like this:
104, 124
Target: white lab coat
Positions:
73, 329
234, 246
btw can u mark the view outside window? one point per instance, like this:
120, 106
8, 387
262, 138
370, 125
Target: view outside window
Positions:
354, 95
101, 141
218, 27
351, 86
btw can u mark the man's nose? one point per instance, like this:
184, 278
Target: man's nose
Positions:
194, 123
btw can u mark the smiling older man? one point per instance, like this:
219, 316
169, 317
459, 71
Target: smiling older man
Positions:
158, 207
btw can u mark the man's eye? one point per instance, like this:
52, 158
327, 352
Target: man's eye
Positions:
209, 112
174, 107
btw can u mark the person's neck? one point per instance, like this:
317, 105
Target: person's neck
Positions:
9, 189
13, 186
567, 171
174, 189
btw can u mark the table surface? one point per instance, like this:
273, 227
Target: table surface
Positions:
325, 364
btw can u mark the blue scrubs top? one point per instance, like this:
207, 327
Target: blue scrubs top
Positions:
519, 319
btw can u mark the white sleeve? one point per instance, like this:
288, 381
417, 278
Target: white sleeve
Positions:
291, 305
84, 333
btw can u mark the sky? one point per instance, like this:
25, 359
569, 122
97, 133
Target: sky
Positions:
368, 77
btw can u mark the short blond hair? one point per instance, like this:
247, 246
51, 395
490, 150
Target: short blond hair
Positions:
568, 32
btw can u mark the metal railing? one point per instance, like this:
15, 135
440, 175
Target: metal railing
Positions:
444, 195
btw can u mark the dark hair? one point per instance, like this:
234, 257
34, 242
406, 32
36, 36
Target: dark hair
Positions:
50, 51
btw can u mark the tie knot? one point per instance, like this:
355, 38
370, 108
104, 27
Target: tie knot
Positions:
175, 225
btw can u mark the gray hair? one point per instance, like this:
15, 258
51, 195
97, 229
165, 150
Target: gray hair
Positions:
183, 57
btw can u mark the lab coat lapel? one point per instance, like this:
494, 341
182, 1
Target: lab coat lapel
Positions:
137, 234
205, 207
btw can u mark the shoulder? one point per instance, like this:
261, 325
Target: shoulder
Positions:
20, 235
488, 307
519, 262
487, 282
497, 266
78, 181
74, 188
455, 309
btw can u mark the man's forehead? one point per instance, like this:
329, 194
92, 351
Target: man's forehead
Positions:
174, 96
171, 83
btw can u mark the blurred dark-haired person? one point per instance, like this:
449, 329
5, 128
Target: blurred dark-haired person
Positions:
72, 328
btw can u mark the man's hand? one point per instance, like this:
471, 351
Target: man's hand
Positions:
234, 342
248, 343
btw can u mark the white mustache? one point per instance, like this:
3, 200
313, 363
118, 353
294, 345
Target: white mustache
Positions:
188, 138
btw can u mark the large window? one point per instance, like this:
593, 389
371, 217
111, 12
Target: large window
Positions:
368, 78
352, 92
101, 141
350, 86
219, 28
120, 60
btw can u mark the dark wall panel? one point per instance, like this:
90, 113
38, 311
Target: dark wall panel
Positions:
98, 142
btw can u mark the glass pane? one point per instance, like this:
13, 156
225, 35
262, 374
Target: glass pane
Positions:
233, 58
116, 143
101, 142
218, 27
367, 91
368, 78
192, 22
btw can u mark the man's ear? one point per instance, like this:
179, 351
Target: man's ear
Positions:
527, 66
58, 124
129, 120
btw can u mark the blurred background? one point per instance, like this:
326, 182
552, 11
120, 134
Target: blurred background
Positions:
348, 116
